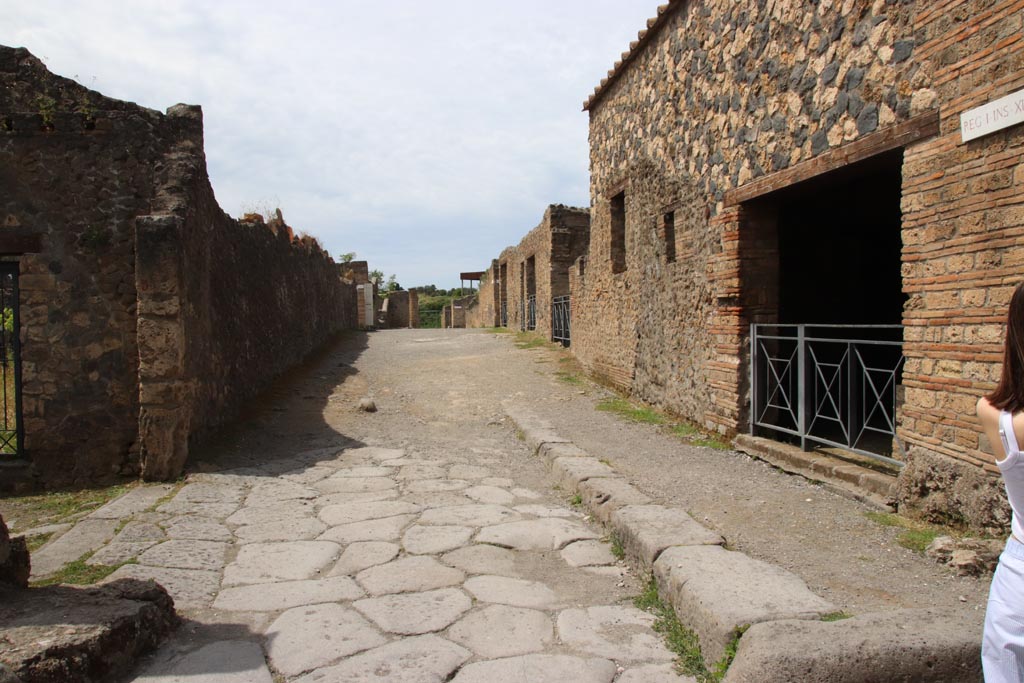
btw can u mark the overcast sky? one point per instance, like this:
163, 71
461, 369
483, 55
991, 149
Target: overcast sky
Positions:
424, 136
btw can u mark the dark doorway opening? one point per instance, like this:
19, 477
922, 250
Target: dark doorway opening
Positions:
824, 287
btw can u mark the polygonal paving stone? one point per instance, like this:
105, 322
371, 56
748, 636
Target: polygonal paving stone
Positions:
133, 502
607, 572
526, 494
347, 513
483, 559
412, 614
209, 555
286, 509
309, 475
190, 588
432, 501
271, 597
349, 498
275, 562
209, 493
355, 484
587, 554
184, 507
304, 638
503, 631
490, 494
508, 591
536, 534
282, 530
405, 461
407, 575
148, 531
469, 515
468, 472
538, 510
418, 659
538, 669
273, 492
500, 482
430, 540
194, 528
653, 673
363, 555
412, 472
364, 472
435, 485
624, 634
373, 453
387, 529
226, 661
119, 552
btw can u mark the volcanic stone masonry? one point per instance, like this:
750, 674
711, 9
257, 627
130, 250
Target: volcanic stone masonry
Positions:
148, 315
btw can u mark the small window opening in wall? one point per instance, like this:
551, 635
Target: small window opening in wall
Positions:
668, 223
581, 265
618, 225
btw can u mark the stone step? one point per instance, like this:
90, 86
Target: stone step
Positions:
922, 645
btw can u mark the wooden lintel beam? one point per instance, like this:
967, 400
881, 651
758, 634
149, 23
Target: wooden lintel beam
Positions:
900, 135
15, 243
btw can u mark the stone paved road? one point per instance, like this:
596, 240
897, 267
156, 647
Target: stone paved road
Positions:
418, 543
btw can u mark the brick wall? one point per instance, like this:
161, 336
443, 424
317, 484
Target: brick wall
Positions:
721, 98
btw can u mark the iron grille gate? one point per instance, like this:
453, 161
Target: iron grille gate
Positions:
11, 433
831, 384
531, 312
504, 313
561, 315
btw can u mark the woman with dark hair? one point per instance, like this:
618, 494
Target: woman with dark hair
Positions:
1002, 419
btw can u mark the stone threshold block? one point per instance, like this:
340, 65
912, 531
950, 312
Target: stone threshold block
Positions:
715, 591
921, 645
571, 472
602, 496
646, 530
65, 633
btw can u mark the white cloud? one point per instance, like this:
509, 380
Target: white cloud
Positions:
424, 136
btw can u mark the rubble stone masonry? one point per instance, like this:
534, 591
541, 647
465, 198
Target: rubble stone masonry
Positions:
721, 103
147, 314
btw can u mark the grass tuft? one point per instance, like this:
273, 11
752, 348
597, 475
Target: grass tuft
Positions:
627, 410
712, 442
576, 500
682, 641
916, 535
570, 378
55, 507
618, 552
80, 573
836, 616
529, 340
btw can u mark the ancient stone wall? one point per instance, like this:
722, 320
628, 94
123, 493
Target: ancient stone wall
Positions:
401, 309
77, 168
720, 99
148, 315
485, 310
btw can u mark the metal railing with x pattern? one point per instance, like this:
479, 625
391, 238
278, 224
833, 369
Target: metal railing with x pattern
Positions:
835, 385
561, 320
531, 312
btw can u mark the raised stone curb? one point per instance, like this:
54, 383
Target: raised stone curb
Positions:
571, 472
924, 646
84, 537
715, 591
646, 530
135, 501
552, 451
604, 495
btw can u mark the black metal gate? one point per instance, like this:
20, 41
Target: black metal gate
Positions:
561, 315
835, 385
11, 433
504, 313
531, 312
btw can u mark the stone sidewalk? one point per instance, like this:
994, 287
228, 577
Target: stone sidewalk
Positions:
381, 564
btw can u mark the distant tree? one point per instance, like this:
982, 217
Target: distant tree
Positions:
377, 277
347, 257
392, 285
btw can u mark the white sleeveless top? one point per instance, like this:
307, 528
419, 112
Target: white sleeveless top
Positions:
1013, 472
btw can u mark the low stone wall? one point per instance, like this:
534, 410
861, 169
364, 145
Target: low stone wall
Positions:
401, 309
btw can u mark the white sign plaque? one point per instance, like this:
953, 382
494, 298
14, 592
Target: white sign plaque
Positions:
988, 118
